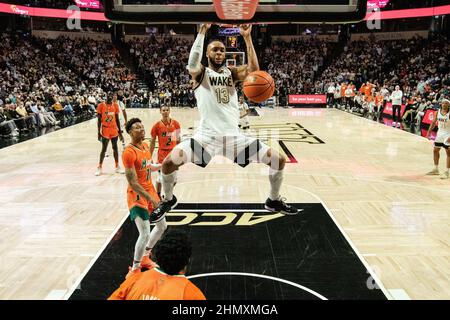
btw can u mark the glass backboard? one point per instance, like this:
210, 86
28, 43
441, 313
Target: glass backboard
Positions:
267, 11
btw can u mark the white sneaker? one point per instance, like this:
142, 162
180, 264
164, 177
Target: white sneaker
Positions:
434, 172
120, 170
394, 124
98, 171
445, 175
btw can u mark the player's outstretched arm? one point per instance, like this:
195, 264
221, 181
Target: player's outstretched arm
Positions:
240, 73
194, 66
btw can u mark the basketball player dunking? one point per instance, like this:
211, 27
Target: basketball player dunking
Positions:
167, 130
217, 101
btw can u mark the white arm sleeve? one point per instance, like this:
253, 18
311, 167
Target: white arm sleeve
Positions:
195, 56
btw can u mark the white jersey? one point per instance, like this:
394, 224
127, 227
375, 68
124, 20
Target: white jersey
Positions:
444, 122
217, 103
122, 105
396, 97
331, 89
337, 92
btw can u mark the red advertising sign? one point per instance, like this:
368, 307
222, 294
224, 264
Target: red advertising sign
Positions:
307, 99
88, 4
432, 136
428, 116
235, 9
51, 13
388, 109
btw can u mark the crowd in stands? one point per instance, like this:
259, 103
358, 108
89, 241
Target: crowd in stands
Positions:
37, 91
162, 60
95, 61
420, 67
295, 64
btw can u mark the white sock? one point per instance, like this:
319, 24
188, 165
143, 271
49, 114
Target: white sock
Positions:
275, 178
144, 237
156, 234
437, 167
168, 180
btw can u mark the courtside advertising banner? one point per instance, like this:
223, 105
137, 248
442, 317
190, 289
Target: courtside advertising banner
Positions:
388, 109
429, 116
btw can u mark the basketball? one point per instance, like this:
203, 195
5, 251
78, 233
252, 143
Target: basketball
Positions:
258, 86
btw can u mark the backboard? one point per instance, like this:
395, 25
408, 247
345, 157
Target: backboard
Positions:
235, 11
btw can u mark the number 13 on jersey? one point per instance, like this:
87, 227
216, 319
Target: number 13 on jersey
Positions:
222, 95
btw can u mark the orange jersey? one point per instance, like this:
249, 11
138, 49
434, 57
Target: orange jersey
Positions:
162, 154
109, 112
154, 284
378, 99
140, 159
362, 89
343, 88
368, 90
166, 133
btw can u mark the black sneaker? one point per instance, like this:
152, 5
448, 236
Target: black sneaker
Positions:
160, 212
280, 206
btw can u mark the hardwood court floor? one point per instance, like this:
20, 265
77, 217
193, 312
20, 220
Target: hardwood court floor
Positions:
56, 216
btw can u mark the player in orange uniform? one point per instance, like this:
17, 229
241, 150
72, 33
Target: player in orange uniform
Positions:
343, 99
378, 104
108, 129
141, 195
368, 89
167, 131
166, 281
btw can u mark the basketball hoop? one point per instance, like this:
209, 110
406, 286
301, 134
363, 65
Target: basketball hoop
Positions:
235, 9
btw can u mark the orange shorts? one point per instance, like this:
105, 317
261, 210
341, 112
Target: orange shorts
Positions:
109, 133
162, 154
135, 200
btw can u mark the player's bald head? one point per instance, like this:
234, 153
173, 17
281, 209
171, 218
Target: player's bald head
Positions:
215, 44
